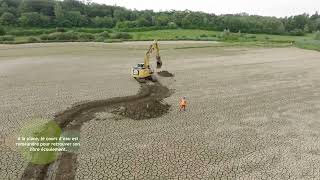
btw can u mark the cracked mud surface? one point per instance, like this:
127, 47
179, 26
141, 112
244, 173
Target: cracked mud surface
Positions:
252, 113
145, 105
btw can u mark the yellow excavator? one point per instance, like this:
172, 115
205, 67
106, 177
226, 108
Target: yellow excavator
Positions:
143, 71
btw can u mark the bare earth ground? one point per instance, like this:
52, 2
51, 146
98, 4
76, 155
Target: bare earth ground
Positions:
252, 113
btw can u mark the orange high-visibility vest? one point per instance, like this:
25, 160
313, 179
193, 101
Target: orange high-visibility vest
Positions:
183, 102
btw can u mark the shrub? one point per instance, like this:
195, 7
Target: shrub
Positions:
44, 37
59, 29
126, 24
32, 40
182, 37
7, 38
113, 40
86, 37
103, 22
60, 36
308, 44
172, 25
296, 32
227, 36
99, 39
8, 18
31, 32
54, 36
67, 36
282, 41
250, 36
64, 23
33, 19
142, 29
203, 35
121, 35
317, 35
92, 31
104, 34
2, 31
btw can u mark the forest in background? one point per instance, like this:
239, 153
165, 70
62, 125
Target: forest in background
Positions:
75, 13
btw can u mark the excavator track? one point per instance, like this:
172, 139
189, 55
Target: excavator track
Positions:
141, 80
153, 78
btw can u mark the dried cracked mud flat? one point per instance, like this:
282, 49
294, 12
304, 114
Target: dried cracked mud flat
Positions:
253, 112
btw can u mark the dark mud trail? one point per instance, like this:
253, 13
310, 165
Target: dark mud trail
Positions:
144, 105
165, 74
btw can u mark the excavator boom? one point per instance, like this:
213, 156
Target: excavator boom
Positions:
154, 48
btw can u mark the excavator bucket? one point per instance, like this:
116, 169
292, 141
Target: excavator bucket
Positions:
159, 62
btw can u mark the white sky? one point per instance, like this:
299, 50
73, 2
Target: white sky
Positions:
279, 8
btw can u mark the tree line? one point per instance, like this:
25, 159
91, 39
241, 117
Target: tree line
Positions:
76, 13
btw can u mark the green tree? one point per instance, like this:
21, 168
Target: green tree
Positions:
79, 13
74, 5
172, 25
2, 31
120, 14
192, 20
31, 19
103, 22
8, 19
145, 15
45, 7
317, 24
317, 35
4, 8
186, 22
306, 28
58, 11
98, 10
76, 18
162, 20
177, 17
126, 24
142, 22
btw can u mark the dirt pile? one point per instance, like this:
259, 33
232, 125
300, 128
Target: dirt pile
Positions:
165, 74
145, 108
144, 105
142, 110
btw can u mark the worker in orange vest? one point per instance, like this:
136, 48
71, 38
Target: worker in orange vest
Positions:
183, 104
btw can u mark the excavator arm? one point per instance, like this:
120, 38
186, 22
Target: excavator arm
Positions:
154, 48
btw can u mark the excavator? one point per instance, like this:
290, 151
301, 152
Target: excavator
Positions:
143, 71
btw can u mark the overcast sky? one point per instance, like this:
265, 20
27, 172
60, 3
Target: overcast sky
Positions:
279, 8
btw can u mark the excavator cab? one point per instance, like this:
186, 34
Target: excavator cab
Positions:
140, 65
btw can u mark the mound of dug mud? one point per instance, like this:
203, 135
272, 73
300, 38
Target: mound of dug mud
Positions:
144, 105
147, 107
165, 74
142, 110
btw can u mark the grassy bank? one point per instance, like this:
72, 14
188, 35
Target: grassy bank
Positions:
308, 44
20, 36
